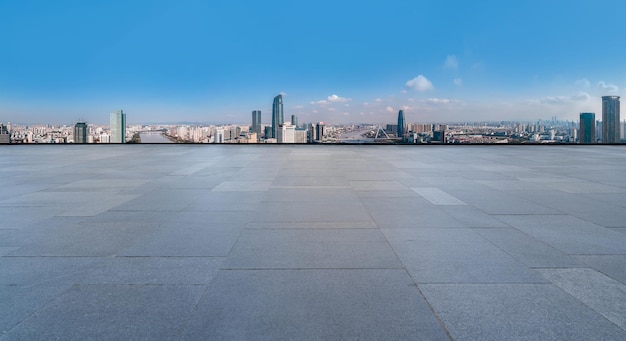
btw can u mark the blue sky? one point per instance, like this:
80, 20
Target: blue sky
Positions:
335, 61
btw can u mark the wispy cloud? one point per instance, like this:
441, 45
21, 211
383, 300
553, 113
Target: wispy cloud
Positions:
458, 81
389, 109
420, 83
558, 100
334, 98
608, 86
451, 62
434, 100
331, 99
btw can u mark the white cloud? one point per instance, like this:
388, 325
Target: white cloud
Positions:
584, 83
458, 81
331, 99
282, 93
581, 96
366, 103
379, 100
451, 62
419, 83
331, 109
347, 105
345, 113
336, 99
299, 107
389, 109
406, 108
411, 100
559, 100
608, 87
434, 100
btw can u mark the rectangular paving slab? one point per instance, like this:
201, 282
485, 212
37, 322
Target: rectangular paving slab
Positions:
379, 304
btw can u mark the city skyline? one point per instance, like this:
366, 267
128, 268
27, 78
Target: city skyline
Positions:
334, 62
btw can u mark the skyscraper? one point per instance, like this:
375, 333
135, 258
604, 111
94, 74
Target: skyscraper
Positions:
401, 124
610, 119
256, 122
117, 121
277, 115
294, 120
319, 132
80, 132
587, 127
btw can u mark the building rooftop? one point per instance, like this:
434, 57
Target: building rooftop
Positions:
312, 242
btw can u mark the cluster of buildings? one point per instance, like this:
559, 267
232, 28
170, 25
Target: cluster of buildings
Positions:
587, 131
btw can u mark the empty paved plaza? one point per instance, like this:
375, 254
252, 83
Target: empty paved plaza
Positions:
305, 242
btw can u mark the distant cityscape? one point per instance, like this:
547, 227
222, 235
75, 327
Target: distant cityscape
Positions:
588, 130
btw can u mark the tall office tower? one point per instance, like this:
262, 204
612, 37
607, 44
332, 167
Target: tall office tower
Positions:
80, 132
117, 121
319, 132
587, 127
294, 121
256, 122
610, 119
310, 132
401, 124
277, 115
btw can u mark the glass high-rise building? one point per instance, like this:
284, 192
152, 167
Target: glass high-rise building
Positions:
117, 120
294, 121
277, 115
256, 123
80, 132
401, 124
587, 127
610, 119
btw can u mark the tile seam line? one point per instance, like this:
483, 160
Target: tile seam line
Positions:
585, 304
406, 271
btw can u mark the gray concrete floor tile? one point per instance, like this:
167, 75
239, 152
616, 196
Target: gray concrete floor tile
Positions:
310, 181
312, 248
313, 304
6, 250
516, 312
499, 202
227, 201
295, 211
473, 217
310, 194
569, 234
162, 200
613, 266
410, 212
112, 312
85, 239
242, 186
601, 293
30, 271
455, 256
313, 225
438, 197
151, 270
527, 249
185, 240
377, 185
19, 302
